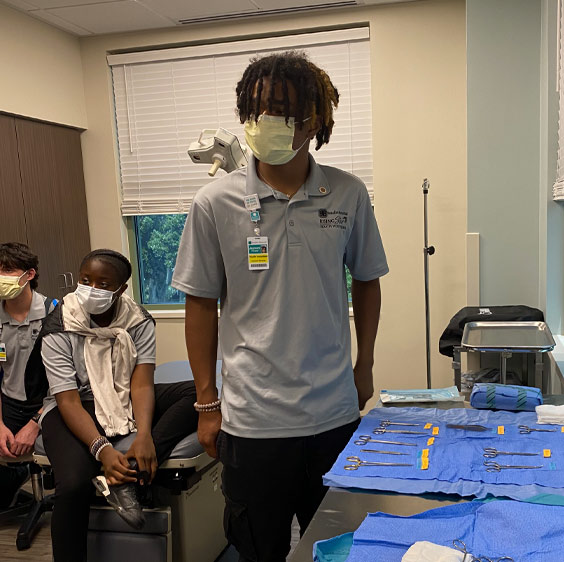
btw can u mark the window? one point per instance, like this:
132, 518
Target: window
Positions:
164, 99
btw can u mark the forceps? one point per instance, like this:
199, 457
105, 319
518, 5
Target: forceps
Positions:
386, 423
491, 453
526, 429
492, 466
461, 547
363, 439
380, 430
357, 463
382, 452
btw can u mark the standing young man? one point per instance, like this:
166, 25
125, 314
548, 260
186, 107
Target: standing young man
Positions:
290, 399
22, 310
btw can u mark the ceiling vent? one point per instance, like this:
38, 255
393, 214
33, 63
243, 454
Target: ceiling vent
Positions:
276, 12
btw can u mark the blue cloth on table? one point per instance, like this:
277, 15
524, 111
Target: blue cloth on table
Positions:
534, 533
336, 549
456, 458
505, 397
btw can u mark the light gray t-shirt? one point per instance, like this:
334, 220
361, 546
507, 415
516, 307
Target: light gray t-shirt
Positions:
19, 338
63, 357
284, 332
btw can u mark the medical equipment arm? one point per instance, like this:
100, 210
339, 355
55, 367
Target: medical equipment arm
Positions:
366, 302
201, 344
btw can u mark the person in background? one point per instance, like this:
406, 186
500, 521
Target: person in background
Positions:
22, 311
98, 348
290, 397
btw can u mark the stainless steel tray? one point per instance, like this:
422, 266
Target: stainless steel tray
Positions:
508, 336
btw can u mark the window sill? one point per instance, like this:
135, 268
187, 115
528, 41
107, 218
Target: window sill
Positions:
178, 313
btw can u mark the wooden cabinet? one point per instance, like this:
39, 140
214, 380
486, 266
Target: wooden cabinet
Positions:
43, 199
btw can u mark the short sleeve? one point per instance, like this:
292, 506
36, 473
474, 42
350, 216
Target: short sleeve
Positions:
145, 342
199, 269
365, 256
56, 352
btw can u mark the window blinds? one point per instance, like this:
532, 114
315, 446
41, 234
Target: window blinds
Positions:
558, 188
163, 100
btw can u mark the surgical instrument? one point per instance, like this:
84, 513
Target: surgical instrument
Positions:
492, 466
526, 429
491, 453
380, 430
363, 439
468, 427
386, 423
357, 463
382, 452
461, 547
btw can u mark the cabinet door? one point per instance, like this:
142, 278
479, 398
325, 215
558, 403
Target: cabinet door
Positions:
55, 201
12, 222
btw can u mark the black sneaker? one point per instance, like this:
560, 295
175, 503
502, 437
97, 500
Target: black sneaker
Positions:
123, 499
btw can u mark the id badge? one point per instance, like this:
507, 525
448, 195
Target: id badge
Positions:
252, 202
3, 352
257, 252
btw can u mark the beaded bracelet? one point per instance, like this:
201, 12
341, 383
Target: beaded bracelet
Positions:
209, 407
97, 455
97, 445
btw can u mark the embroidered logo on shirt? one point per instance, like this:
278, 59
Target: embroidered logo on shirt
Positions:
333, 219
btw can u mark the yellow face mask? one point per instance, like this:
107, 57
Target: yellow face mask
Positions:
270, 139
10, 286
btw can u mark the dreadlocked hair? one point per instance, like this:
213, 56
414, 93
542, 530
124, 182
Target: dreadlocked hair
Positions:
316, 95
117, 261
14, 255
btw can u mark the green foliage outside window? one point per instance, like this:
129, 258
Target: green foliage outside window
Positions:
158, 237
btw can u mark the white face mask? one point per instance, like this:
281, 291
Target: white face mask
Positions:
271, 139
94, 301
10, 286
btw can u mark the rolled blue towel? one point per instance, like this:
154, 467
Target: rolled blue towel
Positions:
505, 397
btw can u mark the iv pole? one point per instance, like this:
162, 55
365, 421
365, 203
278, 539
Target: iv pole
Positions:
427, 251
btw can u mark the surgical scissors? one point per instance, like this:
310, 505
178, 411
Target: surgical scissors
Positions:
357, 463
380, 430
526, 429
492, 466
386, 423
461, 547
382, 452
363, 439
491, 453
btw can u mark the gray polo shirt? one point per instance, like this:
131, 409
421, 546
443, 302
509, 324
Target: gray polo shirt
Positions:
19, 338
63, 357
284, 332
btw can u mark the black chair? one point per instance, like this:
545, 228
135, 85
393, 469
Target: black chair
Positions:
33, 505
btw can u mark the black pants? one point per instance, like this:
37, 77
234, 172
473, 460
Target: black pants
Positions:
268, 481
74, 466
15, 415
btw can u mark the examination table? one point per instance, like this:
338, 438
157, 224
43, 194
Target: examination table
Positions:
186, 524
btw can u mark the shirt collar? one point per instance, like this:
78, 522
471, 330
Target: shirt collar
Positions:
36, 311
316, 184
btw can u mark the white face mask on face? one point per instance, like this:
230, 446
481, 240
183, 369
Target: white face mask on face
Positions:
94, 301
10, 286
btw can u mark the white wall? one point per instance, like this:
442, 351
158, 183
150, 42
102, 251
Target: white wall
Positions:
41, 71
419, 107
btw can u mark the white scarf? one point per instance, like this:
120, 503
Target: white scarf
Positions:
109, 367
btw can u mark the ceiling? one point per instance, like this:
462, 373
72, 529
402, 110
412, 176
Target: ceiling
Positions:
88, 17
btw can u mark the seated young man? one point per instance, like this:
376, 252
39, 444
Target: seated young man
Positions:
22, 310
99, 354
